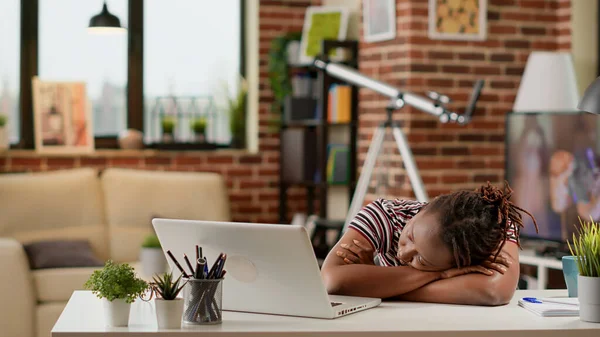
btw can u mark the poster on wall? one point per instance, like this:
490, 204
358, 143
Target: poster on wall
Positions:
62, 117
458, 20
379, 20
322, 23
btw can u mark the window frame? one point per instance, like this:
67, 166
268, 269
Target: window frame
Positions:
135, 70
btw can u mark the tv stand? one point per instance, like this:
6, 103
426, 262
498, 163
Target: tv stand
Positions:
543, 263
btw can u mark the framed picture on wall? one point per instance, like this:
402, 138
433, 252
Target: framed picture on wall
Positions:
458, 20
322, 23
62, 117
379, 20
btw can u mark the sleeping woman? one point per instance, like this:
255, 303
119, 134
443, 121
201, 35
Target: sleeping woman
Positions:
461, 248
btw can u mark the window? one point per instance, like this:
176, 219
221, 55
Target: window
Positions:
192, 58
10, 16
67, 51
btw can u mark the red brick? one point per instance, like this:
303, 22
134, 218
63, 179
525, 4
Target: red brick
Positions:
545, 45
533, 30
517, 44
61, 161
440, 55
157, 161
533, 3
517, 16
426, 68
26, 162
240, 196
503, 85
220, 160
92, 161
503, 29
503, 2
456, 69
252, 184
188, 160
440, 137
454, 179
239, 172
424, 151
470, 164
268, 172
484, 178
455, 151
471, 138
487, 70
126, 161
254, 159
518, 71
472, 56
545, 18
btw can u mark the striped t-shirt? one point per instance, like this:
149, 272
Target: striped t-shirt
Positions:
382, 221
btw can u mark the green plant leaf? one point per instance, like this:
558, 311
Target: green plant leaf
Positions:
151, 241
116, 281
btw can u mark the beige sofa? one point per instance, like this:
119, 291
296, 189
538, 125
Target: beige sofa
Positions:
113, 210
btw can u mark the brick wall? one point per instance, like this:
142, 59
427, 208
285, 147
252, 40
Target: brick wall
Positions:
449, 156
252, 179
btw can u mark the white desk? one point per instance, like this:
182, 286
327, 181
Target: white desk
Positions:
528, 257
83, 317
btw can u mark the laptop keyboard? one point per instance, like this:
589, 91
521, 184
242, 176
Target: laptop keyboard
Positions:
335, 304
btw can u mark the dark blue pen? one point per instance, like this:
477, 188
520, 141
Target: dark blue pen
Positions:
531, 300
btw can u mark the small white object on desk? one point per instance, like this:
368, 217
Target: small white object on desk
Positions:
551, 307
83, 317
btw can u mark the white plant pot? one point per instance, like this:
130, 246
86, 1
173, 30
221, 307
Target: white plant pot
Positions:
169, 313
116, 313
153, 261
3, 139
589, 298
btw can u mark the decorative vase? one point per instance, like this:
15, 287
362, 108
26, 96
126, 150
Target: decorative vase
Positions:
167, 137
116, 312
169, 313
199, 137
131, 139
589, 298
153, 261
4, 145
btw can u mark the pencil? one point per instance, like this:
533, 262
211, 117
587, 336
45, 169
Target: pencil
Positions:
213, 269
177, 263
187, 261
197, 253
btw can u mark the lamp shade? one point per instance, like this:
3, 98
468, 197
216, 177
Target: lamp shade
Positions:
591, 98
105, 21
548, 84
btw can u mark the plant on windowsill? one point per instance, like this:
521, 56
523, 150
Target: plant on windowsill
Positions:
118, 286
3, 132
236, 109
169, 307
152, 258
586, 249
198, 126
168, 129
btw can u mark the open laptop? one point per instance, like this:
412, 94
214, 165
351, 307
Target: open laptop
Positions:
271, 269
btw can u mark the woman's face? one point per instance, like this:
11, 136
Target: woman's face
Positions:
420, 245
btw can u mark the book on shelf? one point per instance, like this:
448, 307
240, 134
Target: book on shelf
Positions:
339, 102
338, 160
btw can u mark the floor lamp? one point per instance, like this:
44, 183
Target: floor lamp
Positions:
434, 105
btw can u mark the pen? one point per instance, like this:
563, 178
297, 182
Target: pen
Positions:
187, 261
177, 263
200, 264
219, 272
531, 300
213, 269
197, 253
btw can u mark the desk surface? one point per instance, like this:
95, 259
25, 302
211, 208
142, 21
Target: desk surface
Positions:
84, 317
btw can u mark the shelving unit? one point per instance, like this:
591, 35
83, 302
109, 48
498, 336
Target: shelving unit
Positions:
319, 189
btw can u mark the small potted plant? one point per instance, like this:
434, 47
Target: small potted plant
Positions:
198, 126
3, 132
168, 129
152, 258
118, 287
169, 307
586, 249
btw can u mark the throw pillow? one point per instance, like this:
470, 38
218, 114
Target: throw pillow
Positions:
61, 254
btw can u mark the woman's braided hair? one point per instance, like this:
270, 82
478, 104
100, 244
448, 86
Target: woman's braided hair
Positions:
476, 224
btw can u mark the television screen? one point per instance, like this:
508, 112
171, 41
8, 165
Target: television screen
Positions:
553, 167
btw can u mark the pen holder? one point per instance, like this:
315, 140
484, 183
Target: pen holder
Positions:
202, 299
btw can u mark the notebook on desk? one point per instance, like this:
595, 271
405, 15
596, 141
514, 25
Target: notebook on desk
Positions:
551, 307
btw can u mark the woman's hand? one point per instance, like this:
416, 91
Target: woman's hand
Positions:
356, 252
486, 268
501, 264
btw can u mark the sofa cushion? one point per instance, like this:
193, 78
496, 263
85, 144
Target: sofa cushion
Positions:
59, 283
133, 197
61, 254
42, 205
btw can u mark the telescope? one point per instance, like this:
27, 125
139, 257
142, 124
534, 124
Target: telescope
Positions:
434, 104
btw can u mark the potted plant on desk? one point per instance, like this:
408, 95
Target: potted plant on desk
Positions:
117, 286
169, 308
152, 258
586, 249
